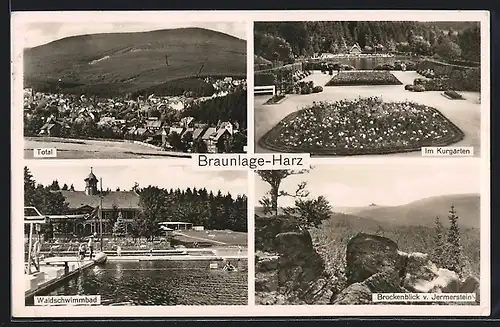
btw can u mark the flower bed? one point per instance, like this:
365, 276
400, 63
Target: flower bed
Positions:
361, 126
397, 65
364, 78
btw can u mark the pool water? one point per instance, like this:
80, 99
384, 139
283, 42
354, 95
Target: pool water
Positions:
160, 283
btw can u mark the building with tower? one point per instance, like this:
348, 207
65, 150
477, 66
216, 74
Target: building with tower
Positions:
95, 203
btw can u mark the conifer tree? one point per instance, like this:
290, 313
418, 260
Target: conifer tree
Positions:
454, 250
439, 242
119, 229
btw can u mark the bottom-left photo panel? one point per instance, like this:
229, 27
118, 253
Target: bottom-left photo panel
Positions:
127, 235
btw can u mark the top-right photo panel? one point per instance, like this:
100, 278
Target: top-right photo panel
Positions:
368, 88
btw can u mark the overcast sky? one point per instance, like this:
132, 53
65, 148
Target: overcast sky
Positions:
44, 32
383, 183
163, 176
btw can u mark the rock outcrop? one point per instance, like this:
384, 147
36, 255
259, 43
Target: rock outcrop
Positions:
370, 254
374, 264
297, 275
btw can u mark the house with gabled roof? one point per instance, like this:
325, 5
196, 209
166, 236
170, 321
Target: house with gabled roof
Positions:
355, 49
91, 201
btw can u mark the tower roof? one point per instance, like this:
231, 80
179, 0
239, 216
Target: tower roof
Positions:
91, 176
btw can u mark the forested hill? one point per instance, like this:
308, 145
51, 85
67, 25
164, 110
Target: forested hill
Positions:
121, 63
285, 39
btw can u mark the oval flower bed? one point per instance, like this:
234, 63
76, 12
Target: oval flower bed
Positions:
378, 77
361, 126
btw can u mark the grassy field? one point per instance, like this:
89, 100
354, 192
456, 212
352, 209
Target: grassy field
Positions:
129, 62
218, 237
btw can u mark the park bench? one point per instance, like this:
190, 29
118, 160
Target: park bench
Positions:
265, 89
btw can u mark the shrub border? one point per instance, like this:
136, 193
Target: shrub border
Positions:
272, 104
267, 143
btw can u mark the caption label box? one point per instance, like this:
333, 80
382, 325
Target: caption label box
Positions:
458, 151
45, 153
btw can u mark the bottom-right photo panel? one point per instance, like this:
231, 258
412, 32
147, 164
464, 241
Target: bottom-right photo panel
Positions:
347, 234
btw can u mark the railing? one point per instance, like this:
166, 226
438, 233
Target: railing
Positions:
265, 89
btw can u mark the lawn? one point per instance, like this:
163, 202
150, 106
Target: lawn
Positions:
218, 236
348, 78
361, 126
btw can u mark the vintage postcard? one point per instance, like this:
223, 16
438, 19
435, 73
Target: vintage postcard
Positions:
371, 88
115, 89
352, 234
118, 235
250, 164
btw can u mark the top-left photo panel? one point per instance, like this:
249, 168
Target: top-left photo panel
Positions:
131, 86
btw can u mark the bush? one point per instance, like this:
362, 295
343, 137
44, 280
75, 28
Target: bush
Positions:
317, 89
453, 94
409, 87
418, 88
264, 79
419, 81
306, 90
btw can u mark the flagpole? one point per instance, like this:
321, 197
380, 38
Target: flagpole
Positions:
100, 214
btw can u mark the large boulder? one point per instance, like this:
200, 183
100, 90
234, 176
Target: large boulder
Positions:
361, 293
301, 270
357, 293
266, 264
370, 254
471, 285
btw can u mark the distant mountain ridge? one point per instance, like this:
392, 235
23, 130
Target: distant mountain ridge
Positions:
422, 212
127, 62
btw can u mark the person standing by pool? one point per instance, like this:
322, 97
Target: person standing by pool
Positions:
81, 251
91, 245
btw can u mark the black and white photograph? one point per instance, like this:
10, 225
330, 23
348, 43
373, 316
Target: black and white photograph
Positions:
371, 88
99, 89
174, 237
337, 234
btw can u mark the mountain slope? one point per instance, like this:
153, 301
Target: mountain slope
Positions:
424, 212
128, 62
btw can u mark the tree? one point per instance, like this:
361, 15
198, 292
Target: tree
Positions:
470, 43
65, 187
174, 139
72, 188
200, 146
448, 50
454, 248
439, 242
186, 140
274, 179
55, 186
153, 203
119, 228
311, 212
29, 187
238, 142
